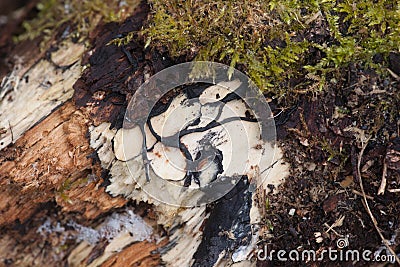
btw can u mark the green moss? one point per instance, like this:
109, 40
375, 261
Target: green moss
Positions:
67, 185
272, 40
82, 15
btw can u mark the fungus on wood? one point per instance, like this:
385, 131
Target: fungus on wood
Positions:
68, 185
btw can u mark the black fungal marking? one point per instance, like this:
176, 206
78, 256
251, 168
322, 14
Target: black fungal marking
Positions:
195, 122
152, 131
249, 115
192, 92
144, 154
95, 157
285, 116
130, 58
208, 154
217, 157
214, 124
160, 108
231, 214
106, 176
230, 97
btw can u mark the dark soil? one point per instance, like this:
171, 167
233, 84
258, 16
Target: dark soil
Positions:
322, 146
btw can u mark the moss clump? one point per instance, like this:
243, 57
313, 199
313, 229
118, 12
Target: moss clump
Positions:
82, 15
67, 185
280, 42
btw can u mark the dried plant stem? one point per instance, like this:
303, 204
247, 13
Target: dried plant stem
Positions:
357, 173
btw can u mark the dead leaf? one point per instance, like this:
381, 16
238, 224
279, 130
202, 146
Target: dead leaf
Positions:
367, 165
331, 202
348, 180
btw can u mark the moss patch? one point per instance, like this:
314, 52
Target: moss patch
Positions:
81, 15
279, 44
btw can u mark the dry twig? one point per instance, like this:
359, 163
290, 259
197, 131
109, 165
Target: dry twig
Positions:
357, 174
394, 75
382, 187
361, 195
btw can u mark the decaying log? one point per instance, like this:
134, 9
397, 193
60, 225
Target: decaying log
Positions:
66, 197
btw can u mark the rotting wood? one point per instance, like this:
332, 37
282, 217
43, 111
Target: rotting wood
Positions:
50, 171
47, 169
53, 162
51, 155
28, 96
138, 254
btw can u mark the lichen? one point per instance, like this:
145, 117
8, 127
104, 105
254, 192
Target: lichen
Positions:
281, 45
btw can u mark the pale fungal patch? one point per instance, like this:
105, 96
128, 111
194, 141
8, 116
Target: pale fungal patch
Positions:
208, 114
167, 162
193, 149
242, 152
219, 91
199, 144
116, 225
120, 229
100, 140
44, 87
131, 149
234, 108
209, 173
243, 252
180, 113
277, 173
123, 180
188, 222
187, 238
238, 147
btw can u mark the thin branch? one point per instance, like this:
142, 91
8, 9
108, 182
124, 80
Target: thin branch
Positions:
382, 187
360, 194
357, 173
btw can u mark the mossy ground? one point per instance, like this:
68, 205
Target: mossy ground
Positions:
285, 47
79, 17
282, 45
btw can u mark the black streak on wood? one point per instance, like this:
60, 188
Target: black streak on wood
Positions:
230, 215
